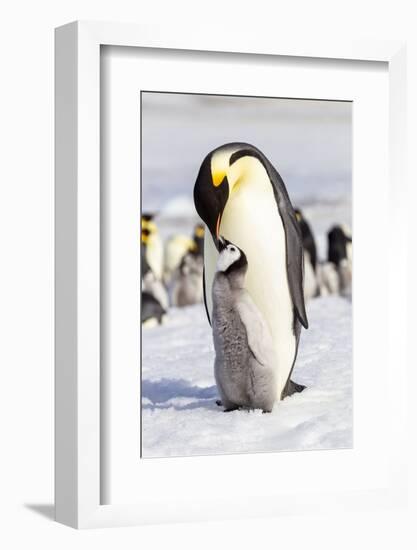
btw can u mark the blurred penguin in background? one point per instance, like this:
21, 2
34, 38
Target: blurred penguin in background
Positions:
151, 283
309, 243
340, 244
153, 245
177, 247
187, 287
336, 274
152, 313
328, 279
198, 238
340, 254
311, 286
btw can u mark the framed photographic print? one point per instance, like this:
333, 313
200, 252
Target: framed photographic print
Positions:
227, 221
178, 357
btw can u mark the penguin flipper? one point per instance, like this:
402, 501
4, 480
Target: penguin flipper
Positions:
204, 295
257, 332
231, 408
293, 242
295, 263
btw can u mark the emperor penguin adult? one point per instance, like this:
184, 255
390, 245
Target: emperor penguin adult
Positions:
240, 195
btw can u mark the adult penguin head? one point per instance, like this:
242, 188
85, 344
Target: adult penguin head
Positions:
218, 174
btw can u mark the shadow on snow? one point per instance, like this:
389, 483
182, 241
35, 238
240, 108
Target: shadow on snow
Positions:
160, 392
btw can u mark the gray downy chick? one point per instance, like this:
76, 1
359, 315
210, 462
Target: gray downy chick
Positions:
188, 283
244, 363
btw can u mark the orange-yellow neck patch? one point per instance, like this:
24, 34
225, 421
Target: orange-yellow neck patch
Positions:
219, 166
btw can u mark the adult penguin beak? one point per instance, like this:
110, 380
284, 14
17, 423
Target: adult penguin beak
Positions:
219, 219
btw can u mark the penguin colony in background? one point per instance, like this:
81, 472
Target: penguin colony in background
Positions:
154, 302
170, 274
333, 276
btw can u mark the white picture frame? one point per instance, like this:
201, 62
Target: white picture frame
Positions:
78, 426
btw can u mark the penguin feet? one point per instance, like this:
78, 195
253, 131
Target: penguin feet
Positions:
231, 408
291, 388
228, 406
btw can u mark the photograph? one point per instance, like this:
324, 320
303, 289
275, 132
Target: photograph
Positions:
246, 274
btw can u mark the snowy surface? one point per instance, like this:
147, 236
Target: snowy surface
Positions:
179, 413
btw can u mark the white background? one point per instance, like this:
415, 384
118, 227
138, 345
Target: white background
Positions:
26, 302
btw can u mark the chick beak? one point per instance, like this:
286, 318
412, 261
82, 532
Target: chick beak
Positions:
221, 243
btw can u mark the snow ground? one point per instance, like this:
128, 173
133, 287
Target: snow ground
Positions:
179, 413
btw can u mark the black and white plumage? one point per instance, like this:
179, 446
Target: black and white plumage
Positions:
245, 358
239, 194
152, 313
339, 245
151, 284
152, 242
336, 273
309, 243
311, 286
